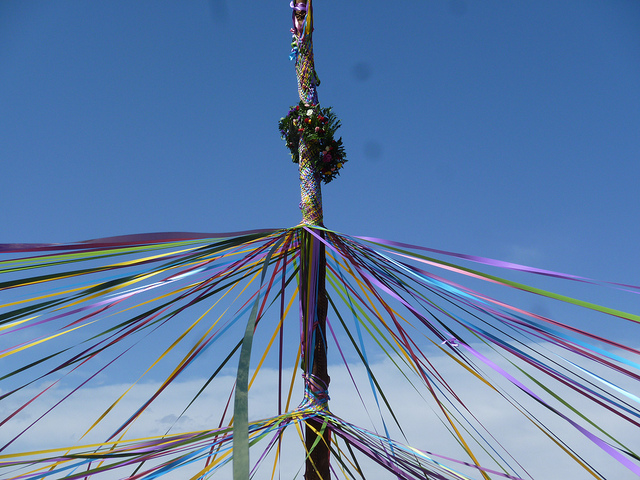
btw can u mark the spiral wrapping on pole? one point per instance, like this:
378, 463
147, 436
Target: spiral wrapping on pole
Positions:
310, 189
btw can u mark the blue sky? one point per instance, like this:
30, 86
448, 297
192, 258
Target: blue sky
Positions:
504, 129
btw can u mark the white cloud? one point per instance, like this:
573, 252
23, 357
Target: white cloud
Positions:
420, 419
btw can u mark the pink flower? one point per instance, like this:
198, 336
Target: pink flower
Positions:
326, 157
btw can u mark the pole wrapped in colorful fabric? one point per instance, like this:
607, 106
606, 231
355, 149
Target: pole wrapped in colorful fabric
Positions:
303, 52
310, 189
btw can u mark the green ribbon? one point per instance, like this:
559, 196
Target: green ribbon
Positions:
241, 399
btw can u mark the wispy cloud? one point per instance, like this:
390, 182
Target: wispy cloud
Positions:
418, 414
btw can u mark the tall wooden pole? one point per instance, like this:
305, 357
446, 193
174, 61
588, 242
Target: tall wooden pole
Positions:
312, 292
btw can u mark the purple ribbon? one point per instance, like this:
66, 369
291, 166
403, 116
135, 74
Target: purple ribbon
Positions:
300, 7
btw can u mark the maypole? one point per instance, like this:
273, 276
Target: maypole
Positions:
309, 130
312, 293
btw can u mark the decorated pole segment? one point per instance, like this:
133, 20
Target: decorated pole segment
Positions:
302, 44
308, 129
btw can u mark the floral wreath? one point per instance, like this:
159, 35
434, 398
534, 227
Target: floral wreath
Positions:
317, 127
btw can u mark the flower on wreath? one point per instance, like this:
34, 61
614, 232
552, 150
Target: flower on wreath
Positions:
317, 126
